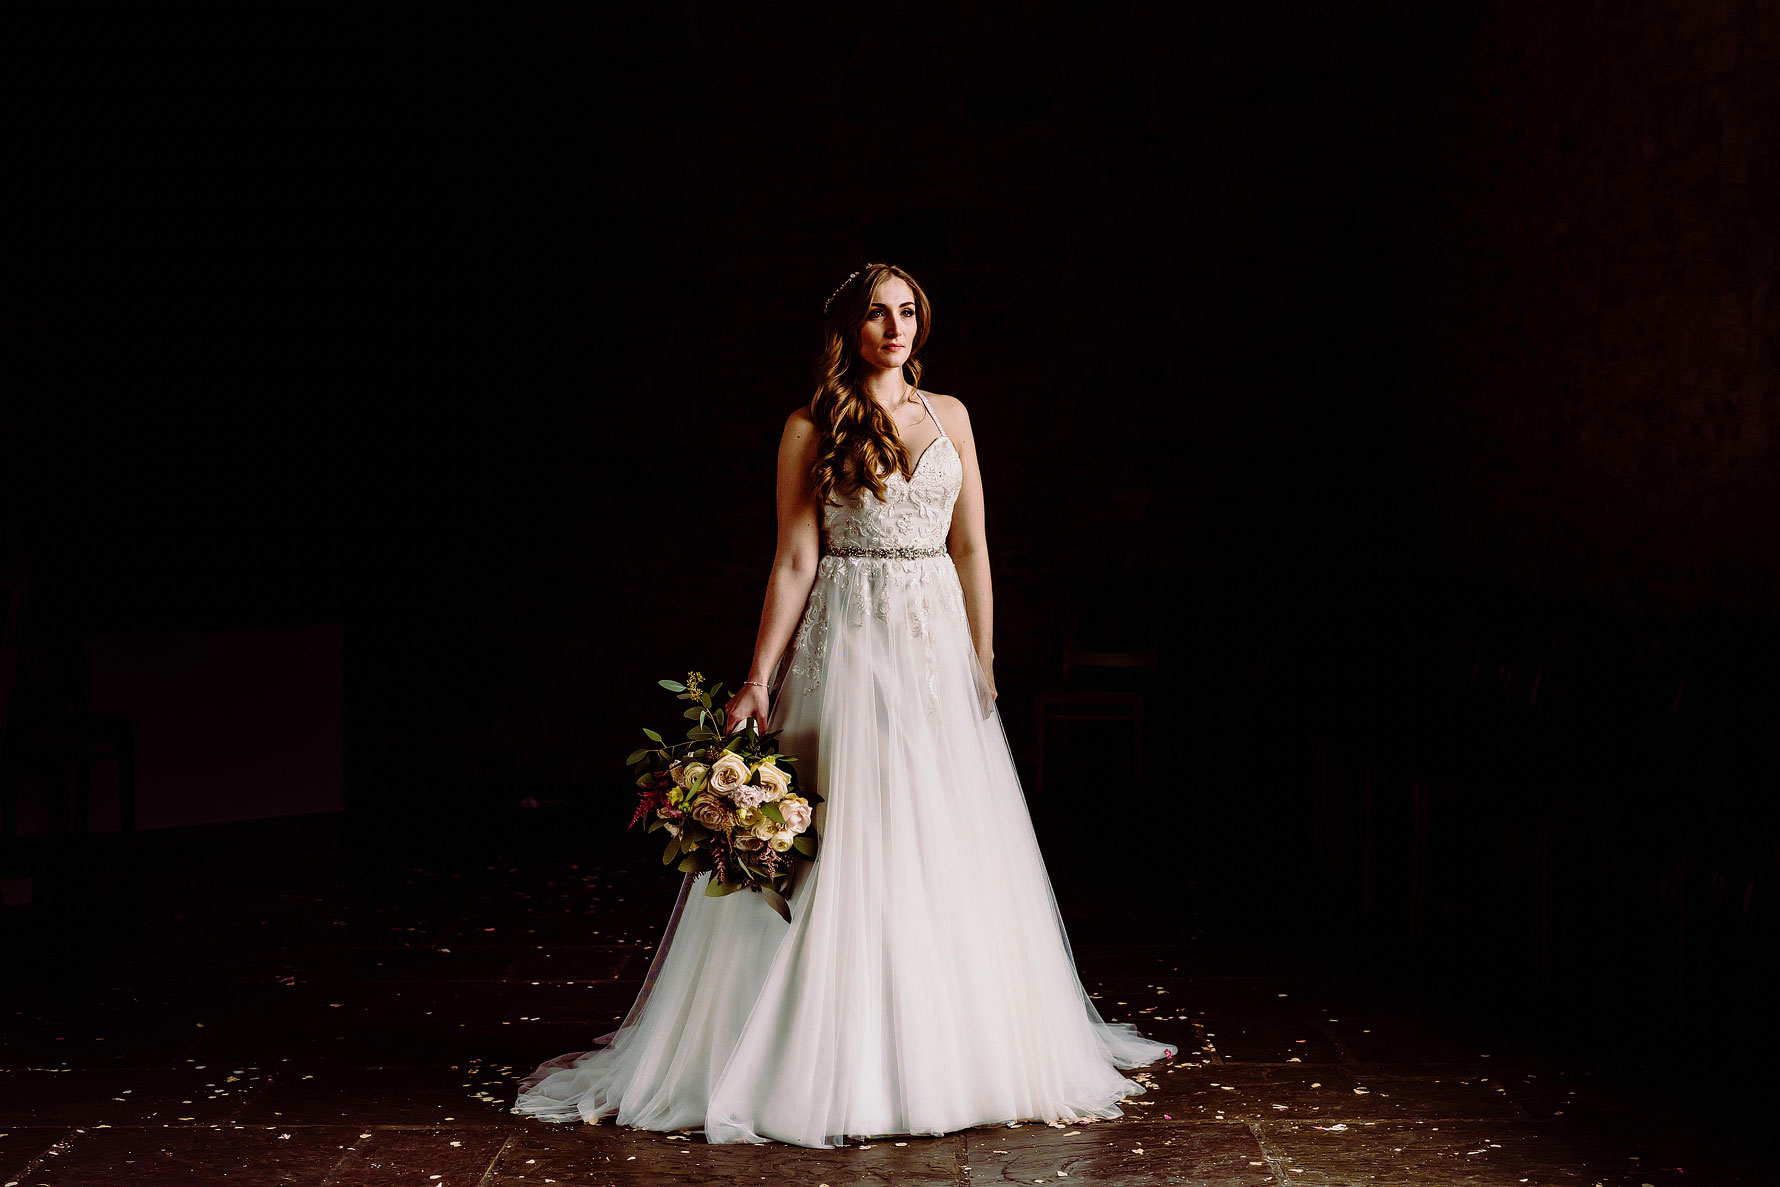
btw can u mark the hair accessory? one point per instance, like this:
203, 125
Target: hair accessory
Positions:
837, 292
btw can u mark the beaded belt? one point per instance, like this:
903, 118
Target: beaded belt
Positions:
902, 551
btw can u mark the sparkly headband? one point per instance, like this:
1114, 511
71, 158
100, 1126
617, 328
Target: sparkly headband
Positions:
837, 292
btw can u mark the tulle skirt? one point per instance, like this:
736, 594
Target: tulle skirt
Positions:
925, 983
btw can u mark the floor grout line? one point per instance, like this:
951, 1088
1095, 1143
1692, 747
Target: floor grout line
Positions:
492, 1162
1275, 1162
54, 1150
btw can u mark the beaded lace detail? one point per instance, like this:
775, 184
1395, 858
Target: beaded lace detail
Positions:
875, 547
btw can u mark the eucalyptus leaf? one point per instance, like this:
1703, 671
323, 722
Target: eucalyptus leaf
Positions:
636, 756
688, 864
718, 889
693, 714
699, 734
672, 685
651, 734
804, 845
772, 812
673, 847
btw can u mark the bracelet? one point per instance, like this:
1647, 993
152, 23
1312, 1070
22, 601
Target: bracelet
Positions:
747, 682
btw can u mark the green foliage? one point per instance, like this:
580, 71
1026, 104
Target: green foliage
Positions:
707, 737
777, 902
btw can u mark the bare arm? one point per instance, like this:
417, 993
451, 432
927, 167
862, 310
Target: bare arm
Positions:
794, 565
967, 543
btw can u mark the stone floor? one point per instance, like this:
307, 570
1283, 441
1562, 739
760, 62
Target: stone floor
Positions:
249, 1007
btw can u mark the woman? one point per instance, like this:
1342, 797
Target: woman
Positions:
925, 983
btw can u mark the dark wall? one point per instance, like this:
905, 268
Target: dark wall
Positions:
1609, 323
472, 335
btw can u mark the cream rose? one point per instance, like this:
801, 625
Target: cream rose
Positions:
695, 774
729, 772
710, 810
747, 842
775, 781
796, 811
765, 827
780, 841
746, 815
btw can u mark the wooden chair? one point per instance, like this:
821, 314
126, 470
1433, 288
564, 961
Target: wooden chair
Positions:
1094, 683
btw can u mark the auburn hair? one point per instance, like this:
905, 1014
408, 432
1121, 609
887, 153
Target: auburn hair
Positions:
858, 444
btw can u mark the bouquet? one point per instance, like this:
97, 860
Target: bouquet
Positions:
727, 799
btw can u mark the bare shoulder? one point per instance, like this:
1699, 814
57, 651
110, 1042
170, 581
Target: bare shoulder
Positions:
800, 429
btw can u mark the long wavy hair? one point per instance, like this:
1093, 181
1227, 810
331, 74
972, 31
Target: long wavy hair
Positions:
858, 443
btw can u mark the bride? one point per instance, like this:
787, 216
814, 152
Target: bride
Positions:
925, 983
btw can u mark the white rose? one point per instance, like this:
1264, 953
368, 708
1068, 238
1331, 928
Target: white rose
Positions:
765, 827
796, 811
696, 773
710, 810
775, 781
729, 772
746, 842
780, 841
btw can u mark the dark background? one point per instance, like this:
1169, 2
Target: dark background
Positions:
1413, 366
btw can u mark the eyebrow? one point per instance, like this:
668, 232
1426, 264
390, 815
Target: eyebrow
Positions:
881, 305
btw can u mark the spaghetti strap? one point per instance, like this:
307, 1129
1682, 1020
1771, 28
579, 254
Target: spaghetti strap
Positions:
929, 407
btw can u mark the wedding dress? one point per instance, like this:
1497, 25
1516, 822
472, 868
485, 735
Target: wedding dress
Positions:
925, 983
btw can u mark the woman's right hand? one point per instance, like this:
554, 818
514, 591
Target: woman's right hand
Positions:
750, 701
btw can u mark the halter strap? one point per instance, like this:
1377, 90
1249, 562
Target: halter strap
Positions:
929, 407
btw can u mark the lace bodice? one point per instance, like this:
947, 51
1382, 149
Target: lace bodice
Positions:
914, 513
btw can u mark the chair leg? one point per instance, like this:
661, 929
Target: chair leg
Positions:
80, 791
126, 779
1137, 741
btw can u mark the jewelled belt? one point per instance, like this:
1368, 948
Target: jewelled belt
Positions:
902, 551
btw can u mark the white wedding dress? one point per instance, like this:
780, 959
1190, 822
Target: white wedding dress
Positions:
925, 983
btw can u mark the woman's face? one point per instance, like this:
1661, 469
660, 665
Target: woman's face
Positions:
889, 330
